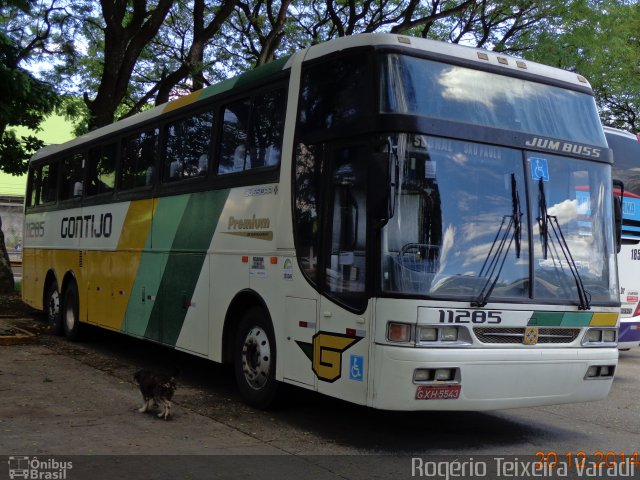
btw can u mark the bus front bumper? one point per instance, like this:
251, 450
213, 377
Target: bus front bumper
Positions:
489, 379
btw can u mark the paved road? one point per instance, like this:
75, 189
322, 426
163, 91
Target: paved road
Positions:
66, 399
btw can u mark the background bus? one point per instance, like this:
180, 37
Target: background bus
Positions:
626, 167
388, 220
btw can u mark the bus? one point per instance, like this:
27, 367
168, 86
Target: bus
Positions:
397, 222
626, 168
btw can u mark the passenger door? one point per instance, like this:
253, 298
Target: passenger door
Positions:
341, 346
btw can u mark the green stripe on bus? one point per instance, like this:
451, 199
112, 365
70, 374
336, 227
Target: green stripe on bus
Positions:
168, 212
575, 319
246, 78
184, 264
558, 319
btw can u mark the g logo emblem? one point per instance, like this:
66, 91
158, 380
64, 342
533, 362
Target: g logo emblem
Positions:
530, 336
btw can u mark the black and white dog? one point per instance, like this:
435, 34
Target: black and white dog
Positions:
156, 388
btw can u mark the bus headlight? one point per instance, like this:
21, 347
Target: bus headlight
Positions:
427, 334
594, 336
437, 334
600, 337
449, 334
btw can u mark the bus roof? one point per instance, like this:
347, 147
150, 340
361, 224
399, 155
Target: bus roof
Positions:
474, 55
622, 133
226, 85
463, 53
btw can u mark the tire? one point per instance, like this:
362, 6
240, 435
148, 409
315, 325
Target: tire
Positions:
254, 360
52, 309
70, 313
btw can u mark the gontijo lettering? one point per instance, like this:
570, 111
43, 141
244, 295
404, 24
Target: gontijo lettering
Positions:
87, 226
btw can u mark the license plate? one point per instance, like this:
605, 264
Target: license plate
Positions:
438, 392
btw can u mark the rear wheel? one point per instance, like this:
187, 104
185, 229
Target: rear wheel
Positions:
255, 359
70, 312
52, 309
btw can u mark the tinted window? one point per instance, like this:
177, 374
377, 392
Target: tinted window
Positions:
268, 127
335, 93
101, 177
187, 148
345, 270
626, 161
307, 207
33, 186
233, 143
49, 184
252, 132
72, 177
43, 182
138, 159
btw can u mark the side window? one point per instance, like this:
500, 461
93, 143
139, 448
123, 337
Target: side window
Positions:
33, 186
335, 93
187, 148
101, 177
233, 142
138, 159
72, 176
48, 189
308, 207
268, 117
252, 132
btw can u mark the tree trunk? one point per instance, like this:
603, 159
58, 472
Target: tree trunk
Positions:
6, 274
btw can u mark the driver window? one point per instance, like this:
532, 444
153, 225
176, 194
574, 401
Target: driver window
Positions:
345, 271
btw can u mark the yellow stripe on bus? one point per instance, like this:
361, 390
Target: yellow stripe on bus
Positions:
116, 271
182, 101
604, 319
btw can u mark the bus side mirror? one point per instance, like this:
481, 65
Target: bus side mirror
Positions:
383, 187
618, 187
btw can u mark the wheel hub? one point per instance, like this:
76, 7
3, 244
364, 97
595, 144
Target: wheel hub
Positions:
256, 358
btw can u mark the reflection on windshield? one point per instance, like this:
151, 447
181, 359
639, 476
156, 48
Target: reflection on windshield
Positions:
461, 210
577, 194
433, 89
449, 236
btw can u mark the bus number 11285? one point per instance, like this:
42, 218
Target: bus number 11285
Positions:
470, 316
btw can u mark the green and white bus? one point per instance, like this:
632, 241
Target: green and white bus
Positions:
396, 222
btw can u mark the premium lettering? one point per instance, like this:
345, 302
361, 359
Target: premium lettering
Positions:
252, 223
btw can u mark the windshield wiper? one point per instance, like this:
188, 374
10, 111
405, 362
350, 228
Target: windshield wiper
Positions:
492, 266
544, 222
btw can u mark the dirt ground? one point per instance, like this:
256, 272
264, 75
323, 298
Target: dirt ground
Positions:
12, 305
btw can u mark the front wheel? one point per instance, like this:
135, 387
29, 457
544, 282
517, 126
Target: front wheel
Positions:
254, 359
70, 313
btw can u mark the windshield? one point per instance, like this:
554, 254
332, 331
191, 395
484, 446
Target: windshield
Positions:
577, 197
463, 217
432, 89
626, 158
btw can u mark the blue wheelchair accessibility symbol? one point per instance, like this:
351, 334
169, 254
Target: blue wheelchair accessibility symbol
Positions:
539, 169
356, 368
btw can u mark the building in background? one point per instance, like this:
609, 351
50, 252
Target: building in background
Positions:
11, 213
54, 129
